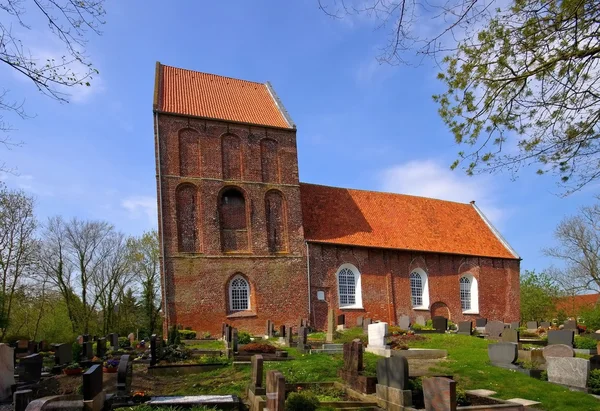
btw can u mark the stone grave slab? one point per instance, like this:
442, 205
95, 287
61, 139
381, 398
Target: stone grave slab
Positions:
503, 354
377, 333
510, 335
566, 337
7, 370
572, 372
101, 347
525, 403
481, 392
21, 399
570, 325
124, 375
30, 368
257, 370
420, 320
404, 322
191, 400
480, 322
532, 325
359, 321
545, 324
63, 354
558, 350
275, 391
594, 362
465, 328
393, 372
494, 329
439, 394
341, 319
440, 323
92, 382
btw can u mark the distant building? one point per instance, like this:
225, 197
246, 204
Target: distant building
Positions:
573, 305
244, 241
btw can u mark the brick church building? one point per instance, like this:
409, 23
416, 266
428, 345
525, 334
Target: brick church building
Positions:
243, 241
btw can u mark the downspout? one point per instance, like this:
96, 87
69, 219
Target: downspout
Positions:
308, 276
162, 224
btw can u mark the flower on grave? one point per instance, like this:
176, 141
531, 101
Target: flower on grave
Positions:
298, 388
111, 363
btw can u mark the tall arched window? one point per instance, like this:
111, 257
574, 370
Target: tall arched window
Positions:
239, 294
269, 160
275, 210
469, 294
419, 289
189, 152
186, 210
349, 287
232, 157
232, 214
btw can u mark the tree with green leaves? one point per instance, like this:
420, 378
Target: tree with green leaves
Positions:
539, 293
522, 78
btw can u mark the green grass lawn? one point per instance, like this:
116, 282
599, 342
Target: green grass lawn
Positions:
206, 345
469, 364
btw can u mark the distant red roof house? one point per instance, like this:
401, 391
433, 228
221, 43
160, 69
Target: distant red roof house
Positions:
573, 305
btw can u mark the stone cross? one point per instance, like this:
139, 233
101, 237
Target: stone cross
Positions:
257, 370
330, 325
275, 391
439, 394
92, 382
7, 370
124, 376
353, 356
101, 347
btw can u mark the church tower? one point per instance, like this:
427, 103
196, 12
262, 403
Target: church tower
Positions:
230, 217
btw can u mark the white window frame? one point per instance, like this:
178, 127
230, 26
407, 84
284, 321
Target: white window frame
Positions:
474, 294
357, 287
425, 289
238, 277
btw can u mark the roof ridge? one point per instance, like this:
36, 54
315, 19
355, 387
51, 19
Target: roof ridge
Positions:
388, 193
216, 75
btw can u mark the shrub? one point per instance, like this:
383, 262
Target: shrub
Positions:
429, 324
351, 334
395, 330
591, 318
76, 350
175, 353
301, 402
244, 337
544, 375
461, 398
187, 334
124, 342
174, 338
585, 343
258, 347
206, 335
594, 382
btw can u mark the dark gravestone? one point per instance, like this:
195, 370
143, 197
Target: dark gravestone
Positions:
366, 323
439, 394
21, 399
289, 337
353, 357
86, 337
282, 331
153, 350
101, 347
545, 324
275, 391
113, 340
359, 321
480, 322
595, 362
63, 354
43, 346
257, 370
32, 347
234, 340
510, 335
341, 320
124, 376
92, 382
404, 322
514, 325
465, 328
503, 353
570, 325
269, 329
87, 353
494, 329
393, 372
302, 338
532, 325
31, 368
440, 324
565, 337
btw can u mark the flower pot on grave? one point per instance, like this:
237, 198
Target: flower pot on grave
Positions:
110, 370
72, 371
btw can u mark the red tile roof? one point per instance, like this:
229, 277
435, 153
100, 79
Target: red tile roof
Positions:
192, 93
385, 220
574, 304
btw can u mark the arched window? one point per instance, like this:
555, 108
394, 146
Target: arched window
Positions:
239, 294
269, 160
469, 294
419, 289
232, 157
275, 210
232, 214
349, 287
186, 210
189, 152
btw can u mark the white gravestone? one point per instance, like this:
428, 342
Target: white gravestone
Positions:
7, 371
377, 333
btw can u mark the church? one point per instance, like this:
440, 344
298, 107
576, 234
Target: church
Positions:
243, 241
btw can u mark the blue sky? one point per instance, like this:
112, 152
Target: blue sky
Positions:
360, 124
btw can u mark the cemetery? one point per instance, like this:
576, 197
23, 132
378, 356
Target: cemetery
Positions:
377, 367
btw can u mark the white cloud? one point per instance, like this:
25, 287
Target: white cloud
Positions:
26, 182
428, 178
141, 205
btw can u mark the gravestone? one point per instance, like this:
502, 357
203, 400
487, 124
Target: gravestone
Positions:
131, 338
572, 372
330, 325
558, 350
32, 347
234, 340
503, 354
393, 372
21, 399
440, 324
515, 325
532, 325
566, 337
92, 382
404, 322
377, 333
545, 324
420, 320
124, 376
113, 340
359, 321
257, 371
30, 368
7, 370
302, 338
494, 329
353, 356
351, 373
269, 330
439, 394
289, 337
63, 354
594, 362
465, 328
282, 331
101, 347
366, 323
510, 335
480, 322
22, 346
153, 350
275, 391
43, 346
85, 337
570, 325
87, 352
341, 319
223, 330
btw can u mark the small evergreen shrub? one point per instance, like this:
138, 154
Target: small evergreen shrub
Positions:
76, 349
594, 382
124, 342
187, 334
244, 337
301, 402
585, 343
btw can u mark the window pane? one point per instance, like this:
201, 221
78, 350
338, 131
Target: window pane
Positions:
416, 289
347, 287
239, 294
465, 293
